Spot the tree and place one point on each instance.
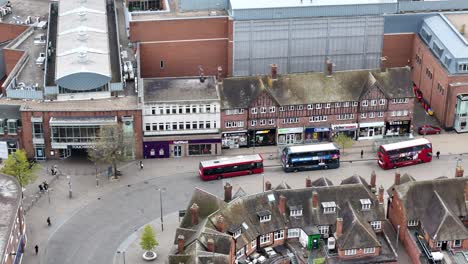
(148, 240)
(343, 141)
(111, 147)
(18, 166)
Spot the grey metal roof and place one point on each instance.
(10, 112)
(82, 54)
(179, 89)
(448, 35)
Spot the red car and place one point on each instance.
(429, 130)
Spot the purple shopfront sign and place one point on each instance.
(160, 149)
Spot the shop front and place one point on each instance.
(289, 136)
(316, 134)
(235, 139)
(264, 137)
(372, 130)
(346, 129)
(181, 148)
(397, 128)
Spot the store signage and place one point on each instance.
(373, 124)
(262, 132)
(318, 129)
(345, 127)
(180, 142)
(290, 130)
(405, 122)
(81, 146)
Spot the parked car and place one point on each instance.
(429, 130)
(270, 252)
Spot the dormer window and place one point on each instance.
(329, 207)
(264, 216)
(297, 212)
(365, 204)
(237, 233)
(412, 222)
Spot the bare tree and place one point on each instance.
(111, 147)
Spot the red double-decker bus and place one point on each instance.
(230, 167)
(405, 153)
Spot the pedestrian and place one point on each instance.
(362, 153)
(141, 165)
(52, 171)
(41, 189)
(36, 248)
(438, 154)
(46, 186)
(48, 221)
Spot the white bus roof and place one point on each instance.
(406, 144)
(229, 160)
(309, 148)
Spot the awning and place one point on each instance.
(83, 121)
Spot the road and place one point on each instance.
(93, 233)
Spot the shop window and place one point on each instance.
(200, 149)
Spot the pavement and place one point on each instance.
(100, 220)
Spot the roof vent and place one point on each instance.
(82, 35)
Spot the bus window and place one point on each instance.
(259, 165)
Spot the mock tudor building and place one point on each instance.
(181, 117)
(313, 107)
(431, 215)
(12, 227)
(288, 220)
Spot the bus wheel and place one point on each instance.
(250, 172)
(219, 177)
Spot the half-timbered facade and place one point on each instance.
(313, 107)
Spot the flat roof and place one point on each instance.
(229, 160)
(314, 147)
(258, 4)
(180, 89)
(405, 144)
(458, 20)
(112, 104)
(10, 196)
(175, 12)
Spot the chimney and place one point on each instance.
(462, 30)
(227, 192)
(329, 67)
(282, 204)
(315, 200)
(220, 74)
(383, 64)
(274, 71)
(210, 245)
(308, 182)
(267, 185)
(373, 179)
(339, 227)
(220, 223)
(381, 194)
(459, 171)
(397, 178)
(194, 213)
(180, 244)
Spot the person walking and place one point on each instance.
(48, 221)
(36, 248)
(438, 154)
(362, 153)
(141, 165)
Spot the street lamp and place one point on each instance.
(161, 206)
(123, 255)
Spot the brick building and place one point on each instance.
(285, 109)
(283, 220)
(431, 214)
(11, 132)
(181, 117)
(13, 229)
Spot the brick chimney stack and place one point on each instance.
(373, 181)
(315, 200)
(381, 194)
(220, 225)
(219, 76)
(180, 244)
(339, 227)
(194, 213)
(210, 245)
(459, 171)
(329, 67)
(308, 182)
(274, 71)
(227, 192)
(383, 64)
(267, 185)
(397, 178)
(282, 204)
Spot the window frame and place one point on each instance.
(293, 232)
(369, 250)
(350, 252)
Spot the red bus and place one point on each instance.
(230, 167)
(405, 153)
